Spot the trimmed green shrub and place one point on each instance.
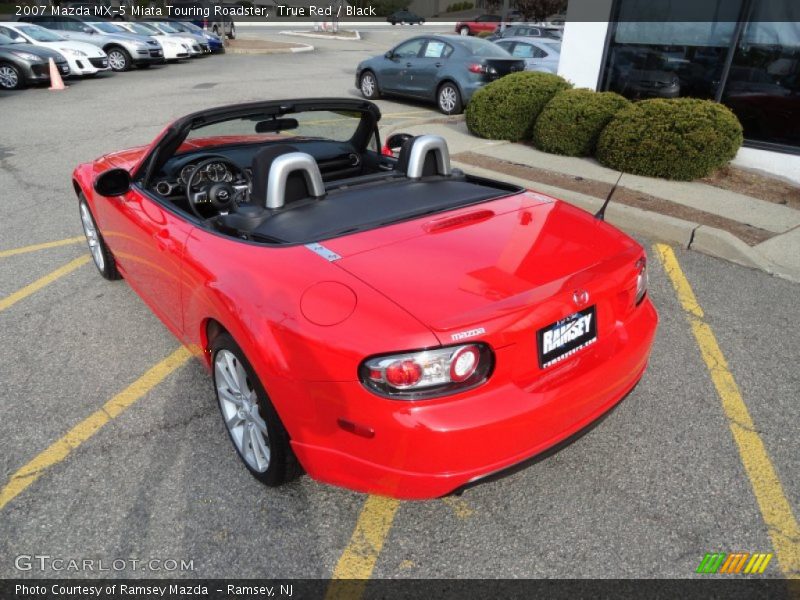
(485, 34)
(506, 109)
(573, 120)
(684, 138)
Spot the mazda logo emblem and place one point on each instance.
(222, 195)
(580, 298)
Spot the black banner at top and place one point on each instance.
(431, 11)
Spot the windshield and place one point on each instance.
(40, 34)
(144, 29)
(107, 27)
(339, 126)
(191, 27)
(166, 28)
(483, 48)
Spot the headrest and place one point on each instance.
(282, 174)
(424, 156)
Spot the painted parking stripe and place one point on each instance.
(31, 288)
(43, 246)
(775, 508)
(358, 560)
(62, 448)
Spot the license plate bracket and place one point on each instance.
(566, 336)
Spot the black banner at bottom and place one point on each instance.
(390, 589)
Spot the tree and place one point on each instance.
(492, 5)
(540, 10)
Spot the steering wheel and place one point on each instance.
(222, 196)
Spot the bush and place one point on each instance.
(506, 109)
(682, 139)
(485, 34)
(573, 120)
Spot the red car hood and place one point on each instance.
(469, 266)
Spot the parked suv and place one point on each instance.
(22, 63)
(123, 49)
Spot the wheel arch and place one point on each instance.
(442, 81)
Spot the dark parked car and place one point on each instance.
(446, 69)
(22, 63)
(644, 73)
(404, 16)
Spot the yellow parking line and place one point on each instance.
(60, 449)
(29, 289)
(775, 508)
(44, 246)
(459, 506)
(359, 558)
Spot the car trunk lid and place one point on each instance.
(478, 268)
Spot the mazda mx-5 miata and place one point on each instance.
(396, 325)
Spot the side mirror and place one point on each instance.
(87, 29)
(389, 55)
(114, 182)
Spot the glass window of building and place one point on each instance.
(744, 53)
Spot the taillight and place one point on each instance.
(641, 280)
(428, 373)
(478, 68)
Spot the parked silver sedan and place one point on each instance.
(539, 54)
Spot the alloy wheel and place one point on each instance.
(92, 237)
(368, 85)
(116, 60)
(239, 403)
(9, 79)
(447, 99)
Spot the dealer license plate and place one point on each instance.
(567, 336)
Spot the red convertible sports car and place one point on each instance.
(398, 326)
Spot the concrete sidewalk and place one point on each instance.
(745, 230)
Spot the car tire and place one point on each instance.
(253, 424)
(232, 34)
(368, 84)
(103, 259)
(464, 30)
(448, 99)
(118, 59)
(11, 77)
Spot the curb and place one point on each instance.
(302, 48)
(688, 234)
(321, 36)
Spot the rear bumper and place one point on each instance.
(426, 450)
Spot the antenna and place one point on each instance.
(601, 214)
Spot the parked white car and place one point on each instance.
(83, 59)
(174, 47)
(540, 54)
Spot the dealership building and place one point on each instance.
(743, 53)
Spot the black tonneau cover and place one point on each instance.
(356, 209)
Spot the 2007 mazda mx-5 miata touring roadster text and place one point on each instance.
(395, 325)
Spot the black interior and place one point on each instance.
(363, 188)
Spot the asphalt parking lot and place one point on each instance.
(660, 482)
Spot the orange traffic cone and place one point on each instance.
(56, 83)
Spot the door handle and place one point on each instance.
(437, 65)
(408, 64)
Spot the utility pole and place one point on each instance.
(504, 15)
